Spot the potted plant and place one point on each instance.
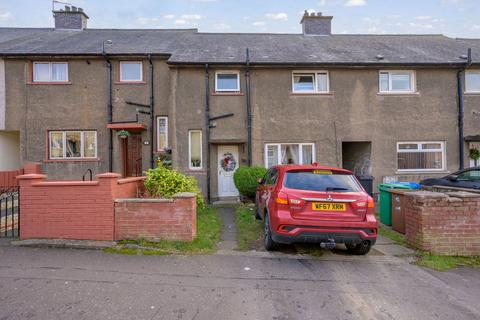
(123, 134)
(474, 155)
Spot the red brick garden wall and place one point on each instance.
(155, 219)
(82, 210)
(443, 223)
(105, 209)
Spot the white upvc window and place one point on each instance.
(310, 82)
(162, 133)
(131, 71)
(396, 81)
(195, 149)
(421, 156)
(289, 153)
(50, 72)
(72, 145)
(472, 81)
(227, 81)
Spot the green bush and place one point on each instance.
(246, 180)
(164, 182)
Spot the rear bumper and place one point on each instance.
(338, 235)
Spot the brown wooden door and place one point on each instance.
(132, 156)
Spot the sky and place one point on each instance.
(454, 18)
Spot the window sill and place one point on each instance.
(199, 170)
(48, 83)
(71, 160)
(399, 94)
(228, 94)
(421, 172)
(311, 93)
(472, 93)
(129, 82)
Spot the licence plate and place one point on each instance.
(329, 206)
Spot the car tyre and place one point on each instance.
(270, 245)
(359, 249)
(257, 214)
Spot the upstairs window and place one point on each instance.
(310, 82)
(227, 81)
(73, 144)
(472, 81)
(50, 72)
(421, 156)
(397, 81)
(131, 71)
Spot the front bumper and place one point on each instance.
(338, 235)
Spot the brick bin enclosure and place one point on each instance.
(443, 223)
(87, 210)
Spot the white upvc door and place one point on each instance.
(227, 163)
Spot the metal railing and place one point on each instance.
(10, 212)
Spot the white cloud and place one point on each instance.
(258, 23)
(180, 21)
(147, 21)
(421, 25)
(169, 16)
(191, 16)
(423, 17)
(221, 26)
(356, 3)
(475, 27)
(6, 16)
(277, 16)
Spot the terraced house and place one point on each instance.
(390, 106)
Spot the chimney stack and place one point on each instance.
(316, 24)
(72, 18)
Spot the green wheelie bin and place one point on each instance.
(386, 200)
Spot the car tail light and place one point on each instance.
(370, 203)
(281, 198)
(295, 202)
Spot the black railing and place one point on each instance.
(90, 176)
(9, 212)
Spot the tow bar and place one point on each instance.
(330, 244)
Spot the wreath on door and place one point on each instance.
(228, 163)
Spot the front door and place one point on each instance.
(132, 155)
(227, 164)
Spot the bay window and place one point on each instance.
(289, 153)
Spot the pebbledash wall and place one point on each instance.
(445, 223)
(105, 209)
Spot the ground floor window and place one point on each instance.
(421, 156)
(289, 153)
(195, 149)
(73, 144)
(162, 133)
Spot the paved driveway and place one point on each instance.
(40, 283)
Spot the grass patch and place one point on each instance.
(443, 263)
(209, 226)
(392, 235)
(249, 230)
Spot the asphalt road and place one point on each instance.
(37, 283)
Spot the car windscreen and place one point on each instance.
(314, 181)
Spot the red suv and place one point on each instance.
(312, 203)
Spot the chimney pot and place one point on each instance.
(67, 8)
(74, 9)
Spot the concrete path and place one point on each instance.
(39, 283)
(229, 231)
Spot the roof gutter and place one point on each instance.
(331, 64)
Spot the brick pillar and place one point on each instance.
(28, 196)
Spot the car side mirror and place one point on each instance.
(453, 177)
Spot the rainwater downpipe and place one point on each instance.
(249, 110)
(110, 113)
(152, 117)
(460, 77)
(207, 129)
